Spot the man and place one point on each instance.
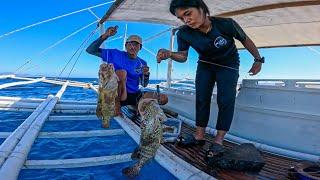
(130, 68)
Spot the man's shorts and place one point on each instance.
(132, 99)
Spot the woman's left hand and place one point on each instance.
(255, 69)
(163, 54)
(145, 70)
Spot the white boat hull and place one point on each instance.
(285, 116)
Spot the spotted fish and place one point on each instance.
(108, 92)
(151, 135)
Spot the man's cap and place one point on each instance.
(135, 38)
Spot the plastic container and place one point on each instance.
(171, 129)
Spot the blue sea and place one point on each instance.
(74, 147)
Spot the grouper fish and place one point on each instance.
(108, 92)
(151, 135)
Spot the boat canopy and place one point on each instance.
(269, 23)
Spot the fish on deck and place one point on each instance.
(108, 92)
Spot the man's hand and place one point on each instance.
(255, 69)
(145, 70)
(100, 22)
(163, 54)
(111, 31)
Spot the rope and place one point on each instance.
(85, 43)
(55, 18)
(20, 67)
(157, 92)
(152, 53)
(156, 35)
(94, 14)
(314, 50)
(52, 46)
(81, 45)
(86, 39)
(120, 37)
(236, 69)
(142, 93)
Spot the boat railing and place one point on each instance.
(179, 91)
(285, 84)
(279, 84)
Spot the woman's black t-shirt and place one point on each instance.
(217, 45)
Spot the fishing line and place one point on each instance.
(84, 46)
(156, 94)
(157, 72)
(223, 66)
(216, 64)
(29, 60)
(236, 69)
(86, 39)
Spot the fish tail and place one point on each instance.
(147, 153)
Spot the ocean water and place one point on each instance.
(152, 171)
(73, 147)
(42, 90)
(83, 147)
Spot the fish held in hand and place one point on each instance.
(108, 92)
(151, 135)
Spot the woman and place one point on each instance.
(213, 39)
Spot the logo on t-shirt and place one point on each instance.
(220, 42)
(138, 70)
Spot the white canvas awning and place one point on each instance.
(269, 23)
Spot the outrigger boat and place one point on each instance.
(281, 117)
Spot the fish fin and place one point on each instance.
(131, 171)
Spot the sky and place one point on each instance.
(17, 48)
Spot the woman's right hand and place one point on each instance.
(163, 54)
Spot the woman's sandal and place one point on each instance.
(215, 151)
(189, 141)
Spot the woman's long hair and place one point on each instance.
(187, 4)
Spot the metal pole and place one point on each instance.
(125, 38)
(170, 60)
